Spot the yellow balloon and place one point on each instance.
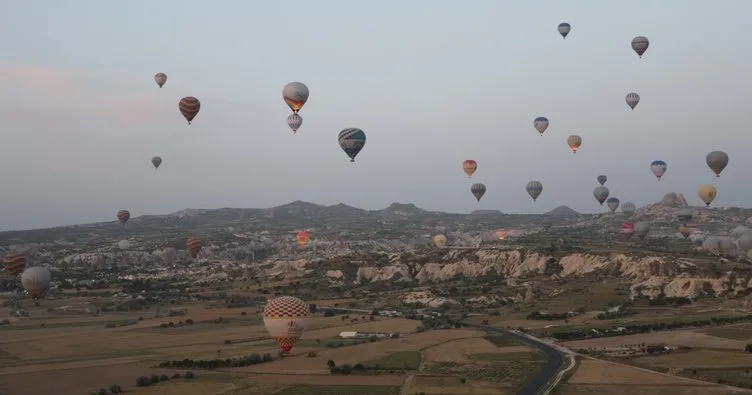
(707, 193)
(440, 240)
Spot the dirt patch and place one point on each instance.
(698, 359)
(185, 387)
(452, 385)
(692, 338)
(621, 389)
(514, 349)
(459, 350)
(81, 380)
(592, 371)
(324, 379)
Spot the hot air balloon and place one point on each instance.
(36, 281)
(627, 229)
(600, 194)
(189, 106)
(534, 189)
(602, 179)
(302, 238)
(717, 161)
(124, 244)
(469, 167)
(14, 263)
(123, 216)
(193, 246)
(628, 208)
(641, 229)
(295, 95)
(502, 234)
(352, 140)
(612, 203)
(160, 79)
(685, 231)
(478, 190)
(707, 193)
(564, 29)
(156, 161)
(574, 141)
(640, 44)
(745, 242)
(286, 318)
(440, 241)
(632, 99)
(294, 121)
(658, 167)
(540, 124)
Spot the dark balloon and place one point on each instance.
(352, 140)
(189, 106)
(123, 216)
(156, 161)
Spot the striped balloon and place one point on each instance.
(189, 106)
(632, 99)
(469, 167)
(574, 141)
(14, 264)
(294, 121)
(613, 204)
(601, 194)
(160, 79)
(123, 216)
(534, 189)
(627, 229)
(352, 140)
(478, 190)
(564, 29)
(640, 44)
(628, 208)
(156, 161)
(295, 95)
(193, 246)
(540, 124)
(658, 167)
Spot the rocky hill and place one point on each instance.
(351, 245)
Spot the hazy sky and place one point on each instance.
(431, 82)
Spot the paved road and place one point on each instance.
(539, 383)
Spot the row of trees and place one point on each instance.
(212, 364)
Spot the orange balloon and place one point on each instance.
(303, 238)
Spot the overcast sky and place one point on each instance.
(431, 82)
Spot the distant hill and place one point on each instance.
(562, 211)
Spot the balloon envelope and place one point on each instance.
(640, 44)
(612, 203)
(36, 281)
(540, 124)
(160, 79)
(602, 179)
(707, 194)
(193, 246)
(600, 194)
(534, 189)
(658, 167)
(156, 161)
(189, 106)
(564, 29)
(302, 238)
(123, 216)
(286, 318)
(352, 140)
(440, 240)
(627, 229)
(632, 99)
(469, 167)
(14, 263)
(478, 190)
(574, 141)
(294, 121)
(717, 161)
(295, 95)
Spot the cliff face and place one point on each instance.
(649, 276)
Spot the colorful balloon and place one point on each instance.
(286, 318)
(600, 194)
(302, 238)
(627, 229)
(160, 79)
(640, 44)
(469, 167)
(352, 140)
(123, 216)
(156, 161)
(14, 263)
(574, 141)
(632, 99)
(478, 190)
(440, 241)
(658, 167)
(602, 179)
(540, 124)
(534, 189)
(295, 95)
(193, 246)
(564, 29)
(685, 231)
(294, 121)
(612, 203)
(189, 106)
(717, 161)
(628, 208)
(707, 194)
(502, 234)
(36, 281)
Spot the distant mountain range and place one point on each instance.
(562, 211)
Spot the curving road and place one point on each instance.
(540, 383)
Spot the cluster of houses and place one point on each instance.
(367, 335)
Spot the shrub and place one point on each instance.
(116, 389)
(143, 381)
(189, 375)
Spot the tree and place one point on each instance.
(330, 364)
(748, 348)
